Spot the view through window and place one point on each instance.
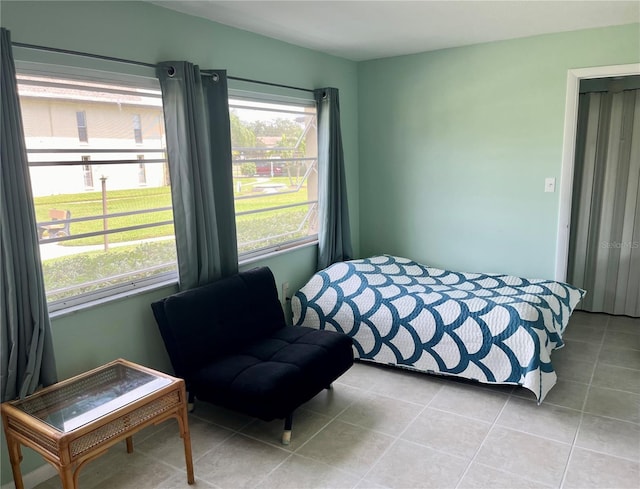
(104, 218)
(275, 174)
(101, 182)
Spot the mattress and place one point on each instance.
(496, 329)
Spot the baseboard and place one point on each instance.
(35, 477)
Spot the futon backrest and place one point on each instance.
(202, 324)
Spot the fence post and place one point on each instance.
(105, 223)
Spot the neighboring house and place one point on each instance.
(63, 118)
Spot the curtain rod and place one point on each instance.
(140, 63)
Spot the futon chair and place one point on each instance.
(230, 343)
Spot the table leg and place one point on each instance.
(188, 457)
(186, 439)
(129, 441)
(15, 456)
(67, 477)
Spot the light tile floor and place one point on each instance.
(388, 428)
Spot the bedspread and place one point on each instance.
(486, 327)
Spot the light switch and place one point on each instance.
(550, 184)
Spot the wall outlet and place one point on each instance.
(285, 291)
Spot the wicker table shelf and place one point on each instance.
(75, 421)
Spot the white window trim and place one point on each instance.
(70, 308)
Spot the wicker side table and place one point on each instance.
(77, 420)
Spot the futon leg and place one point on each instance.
(286, 435)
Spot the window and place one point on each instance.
(118, 236)
(275, 174)
(137, 129)
(87, 172)
(142, 171)
(81, 121)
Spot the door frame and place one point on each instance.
(569, 149)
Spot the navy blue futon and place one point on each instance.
(230, 342)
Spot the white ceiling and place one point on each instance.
(363, 29)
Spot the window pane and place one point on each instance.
(87, 170)
(81, 119)
(100, 232)
(275, 169)
(137, 128)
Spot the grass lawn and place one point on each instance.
(89, 204)
(72, 275)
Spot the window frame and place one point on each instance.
(137, 129)
(81, 122)
(278, 99)
(87, 172)
(142, 171)
(113, 292)
(144, 78)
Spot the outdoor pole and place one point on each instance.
(105, 224)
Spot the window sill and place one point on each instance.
(266, 256)
(112, 298)
(168, 283)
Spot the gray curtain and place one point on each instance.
(196, 115)
(334, 240)
(604, 245)
(27, 359)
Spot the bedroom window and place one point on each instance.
(100, 233)
(275, 174)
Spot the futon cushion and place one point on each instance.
(230, 342)
(269, 378)
(219, 318)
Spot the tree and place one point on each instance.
(242, 135)
(276, 127)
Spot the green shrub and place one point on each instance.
(248, 169)
(75, 272)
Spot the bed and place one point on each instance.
(495, 329)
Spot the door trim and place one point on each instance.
(568, 152)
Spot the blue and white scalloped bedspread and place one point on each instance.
(486, 327)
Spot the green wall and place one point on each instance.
(459, 142)
(145, 32)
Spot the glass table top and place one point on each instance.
(91, 396)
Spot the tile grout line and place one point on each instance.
(399, 435)
(584, 406)
(334, 418)
(232, 433)
(293, 452)
(331, 420)
(363, 477)
(475, 455)
(238, 431)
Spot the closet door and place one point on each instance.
(604, 246)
